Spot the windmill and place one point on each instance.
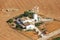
(42, 17)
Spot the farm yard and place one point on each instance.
(48, 8)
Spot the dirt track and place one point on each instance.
(49, 8)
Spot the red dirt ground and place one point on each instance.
(49, 8)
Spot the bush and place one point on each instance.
(18, 27)
(20, 16)
(43, 29)
(10, 21)
(38, 24)
(58, 38)
(27, 14)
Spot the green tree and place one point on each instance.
(28, 14)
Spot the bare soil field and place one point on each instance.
(52, 26)
(31, 34)
(49, 8)
(54, 37)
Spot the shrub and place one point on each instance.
(43, 29)
(28, 13)
(18, 27)
(10, 21)
(20, 16)
(38, 24)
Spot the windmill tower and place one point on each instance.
(36, 9)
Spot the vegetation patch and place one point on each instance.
(58, 38)
(27, 14)
(10, 21)
(18, 27)
(38, 24)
